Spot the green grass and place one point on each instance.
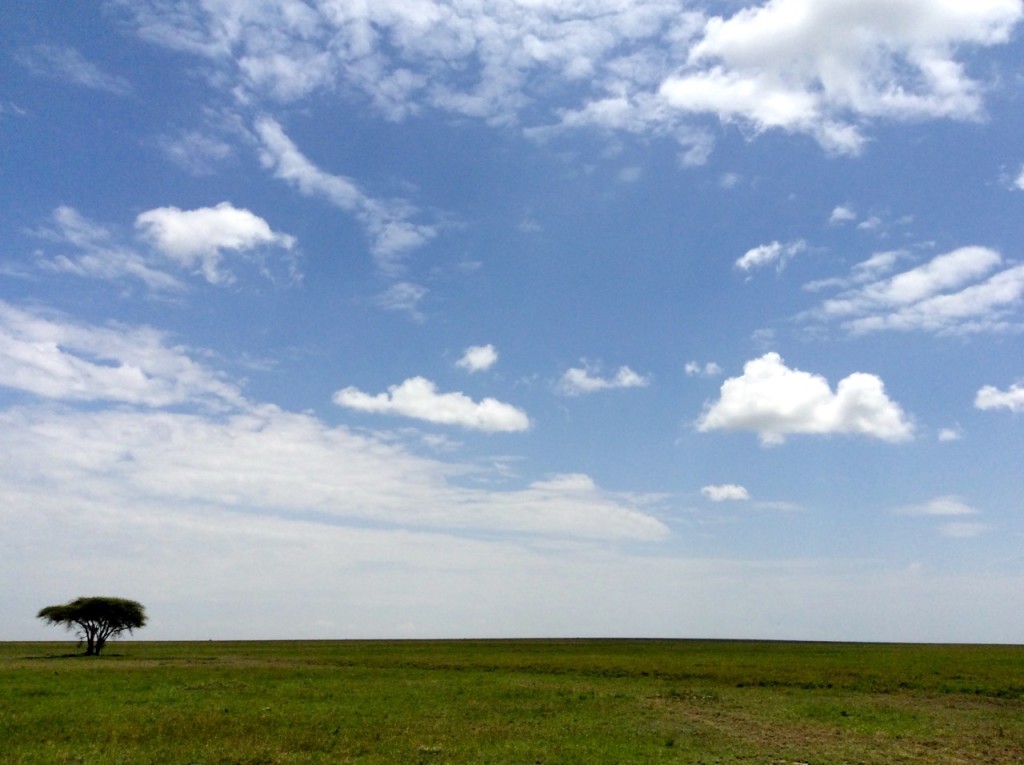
(521, 702)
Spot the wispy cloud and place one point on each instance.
(69, 65)
(646, 68)
(196, 151)
(967, 290)
(98, 254)
(947, 508)
(198, 241)
(725, 492)
(579, 380)
(266, 463)
(708, 369)
(404, 297)
(940, 506)
(167, 435)
(388, 223)
(55, 358)
(775, 253)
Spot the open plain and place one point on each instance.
(511, 701)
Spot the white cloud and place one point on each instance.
(841, 214)
(870, 270)
(948, 435)
(696, 369)
(177, 470)
(949, 507)
(98, 255)
(823, 67)
(55, 358)
(990, 397)
(872, 223)
(69, 65)
(729, 180)
(967, 290)
(180, 445)
(1019, 181)
(387, 222)
(478, 358)
(196, 152)
(197, 239)
(417, 397)
(940, 506)
(776, 401)
(725, 492)
(767, 254)
(576, 381)
(403, 296)
(630, 174)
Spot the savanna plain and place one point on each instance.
(511, 702)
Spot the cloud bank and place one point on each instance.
(825, 68)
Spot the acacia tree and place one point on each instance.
(97, 619)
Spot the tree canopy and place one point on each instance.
(98, 619)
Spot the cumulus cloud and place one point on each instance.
(948, 435)
(990, 397)
(197, 239)
(55, 358)
(388, 223)
(725, 492)
(825, 68)
(418, 398)
(841, 214)
(767, 254)
(775, 401)
(579, 380)
(968, 290)
(478, 358)
(69, 65)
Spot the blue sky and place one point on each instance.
(446, 319)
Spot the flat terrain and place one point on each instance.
(515, 702)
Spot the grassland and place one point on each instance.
(514, 702)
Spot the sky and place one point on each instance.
(515, 318)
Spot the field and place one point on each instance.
(515, 702)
